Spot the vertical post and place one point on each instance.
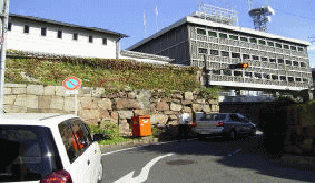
(76, 103)
(206, 71)
(4, 13)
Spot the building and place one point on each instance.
(145, 57)
(39, 35)
(276, 63)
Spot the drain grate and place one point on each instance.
(181, 162)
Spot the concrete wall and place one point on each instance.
(34, 42)
(96, 106)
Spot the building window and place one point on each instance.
(271, 44)
(255, 57)
(296, 64)
(293, 48)
(266, 76)
(303, 64)
(249, 74)
(262, 42)
(272, 60)
(253, 40)
(264, 59)
(298, 79)
(305, 80)
(235, 55)
(258, 75)
(278, 45)
(283, 78)
(235, 38)
(59, 34)
(43, 31)
(214, 52)
(9, 26)
(202, 50)
(227, 72)
(225, 53)
(216, 72)
(201, 31)
(238, 73)
(290, 79)
(213, 34)
(286, 46)
(75, 36)
(104, 41)
(274, 77)
(245, 56)
(91, 39)
(26, 29)
(288, 62)
(221, 35)
(280, 61)
(300, 49)
(243, 39)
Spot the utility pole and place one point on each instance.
(4, 16)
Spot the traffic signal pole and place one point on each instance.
(4, 16)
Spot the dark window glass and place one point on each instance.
(291, 79)
(245, 56)
(295, 63)
(300, 49)
(298, 79)
(227, 72)
(225, 53)
(104, 41)
(221, 35)
(282, 78)
(253, 40)
(278, 45)
(59, 34)
(262, 42)
(303, 64)
(235, 38)
(43, 31)
(255, 57)
(9, 26)
(244, 39)
(26, 149)
(266, 76)
(91, 39)
(214, 52)
(272, 60)
(75, 36)
(26, 29)
(238, 73)
(264, 59)
(286, 46)
(274, 77)
(201, 31)
(249, 74)
(216, 72)
(235, 55)
(258, 75)
(271, 44)
(293, 48)
(280, 61)
(214, 34)
(202, 50)
(288, 62)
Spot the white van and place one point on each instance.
(48, 148)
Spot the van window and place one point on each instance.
(30, 153)
(215, 117)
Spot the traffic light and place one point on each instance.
(238, 66)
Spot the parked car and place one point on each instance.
(228, 125)
(48, 148)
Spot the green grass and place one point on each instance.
(117, 140)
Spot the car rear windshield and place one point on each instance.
(28, 153)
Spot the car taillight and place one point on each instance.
(57, 177)
(220, 124)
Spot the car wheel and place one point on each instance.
(100, 173)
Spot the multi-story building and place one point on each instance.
(39, 35)
(276, 63)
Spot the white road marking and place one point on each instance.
(143, 176)
(234, 152)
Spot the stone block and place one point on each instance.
(18, 91)
(105, 104)
(104, 115)
(132, 95)
(170, 112)
(97, 92)
(85, 91)
(162, 106)
(9, 99)
(196, 107)
(70, 104)
(206, 109)
(186, 102)
(57, 102)
(213, 101)
(88, 103)
(114, 116)
(215, 108)
(89, 115)
(49, 90)
(27, 101)
(172, 117)
(175, 107)
(7, 91)
(141, 112)
(155, 100)
(35, 90)
(178, 96)
(158, 118)
(176, 101)
(189, 95)
(15, 85)
(124, 128)
(14, 109)
(187, 109)
(153, 108)
(200, 101)
(125, 103)
(33, 110)
(61, 91)
(44, 101)
(123, 115)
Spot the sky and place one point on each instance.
(294, 19)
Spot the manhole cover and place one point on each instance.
(181, 162)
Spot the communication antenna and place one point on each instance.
(261, 16)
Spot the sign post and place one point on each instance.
(72, 84)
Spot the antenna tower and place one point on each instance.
(261, 16)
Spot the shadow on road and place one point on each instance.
(251, 155)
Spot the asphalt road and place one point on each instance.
(210, 160)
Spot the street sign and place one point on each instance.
(71, 83)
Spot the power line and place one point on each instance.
(292, 14)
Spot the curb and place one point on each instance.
(298, 160)
(133, 143)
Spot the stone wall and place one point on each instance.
(94, 105)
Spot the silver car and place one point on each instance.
(228, 125)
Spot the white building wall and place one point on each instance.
(34, 42)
